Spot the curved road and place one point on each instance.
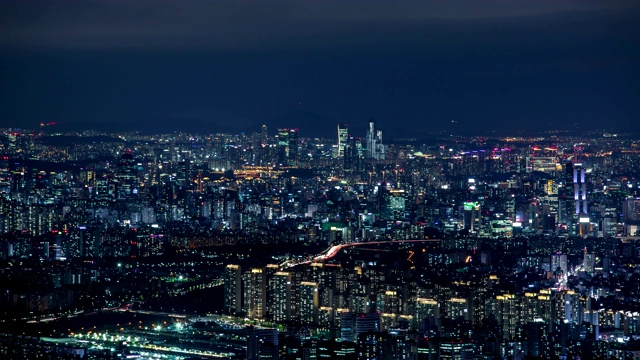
(335, 249)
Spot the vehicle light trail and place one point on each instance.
(335, 249)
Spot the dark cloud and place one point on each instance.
(158, 24)
(413, 64)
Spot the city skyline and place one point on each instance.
(271, 244)
(304, 180)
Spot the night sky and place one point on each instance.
(498, 64)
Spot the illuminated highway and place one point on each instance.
(140, 345)
(335, 249)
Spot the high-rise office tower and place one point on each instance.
(126, 175)
(380, 148)
(565, 198)
(580, 189)
(371, 139)
(375, 148)
(573, 212)
(580, 198)
(293, 147)
(352, 154)
(343, 135)
(288, 147)
(183, 176)
(264, 134)
(283, 146)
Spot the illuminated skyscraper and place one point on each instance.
(308, 306)
(288, 147)
(281, 296)
(183, 177)
(343, 135)
(293, 147)
(580, 198)
(375, 148)
(352, 154)
(580, 189)
(565, 197)
(126, 175)
(394, 204)
(232, 289)
(283, 146)
(264, 134)
(573, 212)
(254, 293)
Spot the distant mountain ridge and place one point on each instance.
(309, 124)
(312, 125)
(159, 126)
